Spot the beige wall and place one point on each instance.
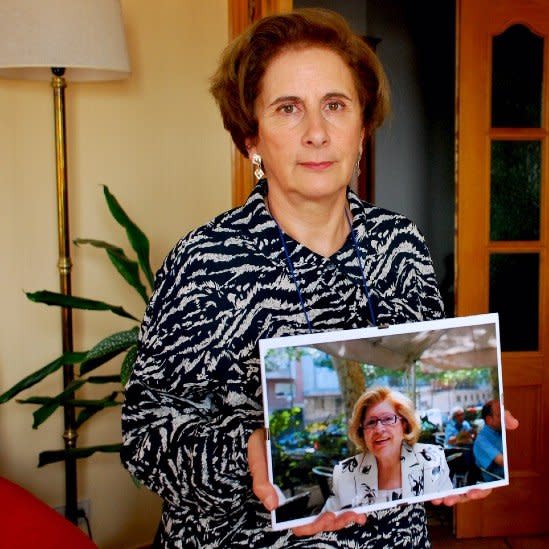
(157, 140)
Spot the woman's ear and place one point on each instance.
(250, 146)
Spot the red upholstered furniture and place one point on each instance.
(28, 523)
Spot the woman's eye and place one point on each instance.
(335, 106)
(287, 109)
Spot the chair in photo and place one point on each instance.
(323, 476)
(439, 439)
(488, 476)
(458, 468)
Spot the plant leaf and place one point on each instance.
(45, 411)
(61, 300)
(137, 238)
(34, 400)
(91, 407)
(104, 379)
(85, 402)
(128, 268)
(127, 365)
(39, 375)
(77, 402)
(108, 348)
(52, 456)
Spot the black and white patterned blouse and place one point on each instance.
(195, 394)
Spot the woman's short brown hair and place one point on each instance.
(236, 83)
(403, 407)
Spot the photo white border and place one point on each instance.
(364, 333)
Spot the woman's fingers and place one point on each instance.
(257, 463)
(320, 524)
(477, 494)
(257, 454)
(266, 494)
(462, 498)
(511, 422)
(328, 522)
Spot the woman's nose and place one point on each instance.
(316, 131)
(379, 426)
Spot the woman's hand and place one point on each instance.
(510, 423)
(475, 493)
(266, 493)
(257, 462)
(328, 522)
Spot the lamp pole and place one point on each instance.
(64, 266)
(78, 40)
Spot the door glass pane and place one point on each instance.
(517, 66)
(514, 283)
(515, 190)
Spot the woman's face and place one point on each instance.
(384, 441)
(309, 124)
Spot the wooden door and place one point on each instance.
(502, 232)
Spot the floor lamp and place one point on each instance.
(60, 41)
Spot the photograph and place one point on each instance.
(371, 418)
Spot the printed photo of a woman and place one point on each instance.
(392, 465)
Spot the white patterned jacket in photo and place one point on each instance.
(423, 471)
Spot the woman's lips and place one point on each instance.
(381, 441)
(316, 166)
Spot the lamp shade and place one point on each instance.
(86, 37)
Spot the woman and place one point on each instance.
(392, 465)
(298, 93)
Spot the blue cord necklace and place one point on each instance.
(296, 282)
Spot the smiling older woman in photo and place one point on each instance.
(298, 93)
(392, 465)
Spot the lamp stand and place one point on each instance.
(64, 266)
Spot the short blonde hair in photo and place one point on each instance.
(403, 407)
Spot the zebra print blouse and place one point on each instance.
(195, 394)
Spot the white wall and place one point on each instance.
(157, 141)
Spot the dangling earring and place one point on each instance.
(258, 163)
(357, 164)
(353, 183)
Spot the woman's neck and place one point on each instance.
(389, 474)
(321, 226)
